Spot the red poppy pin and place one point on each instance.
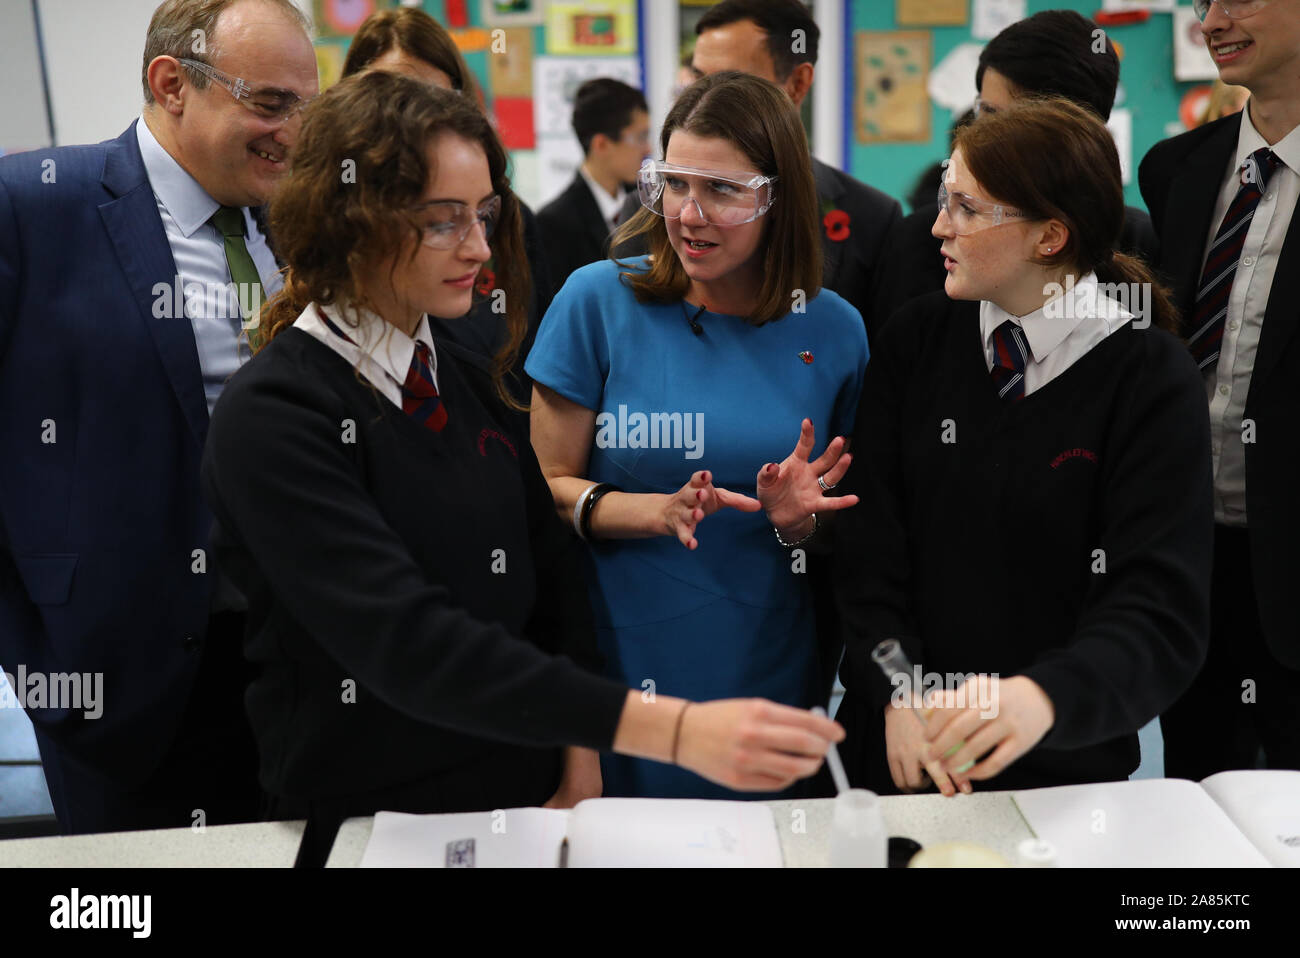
(807, 357)
(487, 281)
(836, 223)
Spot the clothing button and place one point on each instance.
(1248, 261)
(1223, 390)
(1234, 324)
(191, 644)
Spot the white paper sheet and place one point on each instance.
(1147, 823)
(681, 833)
(952, 81)
(1192, 60)
(991, 17)
(1265, 805)
(506, 838)
(1120, 125)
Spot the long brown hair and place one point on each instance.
(360, 162)
(1052, 159)
(416, 34)
(760, 121)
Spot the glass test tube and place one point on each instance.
(891, 658)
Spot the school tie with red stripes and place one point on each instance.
(420, 399)
(1221, 263)
(1010, 355)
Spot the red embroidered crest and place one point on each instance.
(487, 434)
(1076, 453)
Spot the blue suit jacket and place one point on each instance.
(98, 527)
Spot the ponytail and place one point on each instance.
(1121, 268)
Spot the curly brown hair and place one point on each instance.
(360, 162)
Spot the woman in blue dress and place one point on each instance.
(668, 392)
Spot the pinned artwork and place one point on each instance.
(510, 63)
(607, 27)
(329, 62)
(512, 13)
(931, 13)
(1192, 60)
(891, 102)
(515, 122)
(341, 18)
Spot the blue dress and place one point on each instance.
(734, 618)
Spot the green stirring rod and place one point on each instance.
(891, 658)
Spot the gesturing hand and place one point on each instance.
(699, 498)
(789, 491)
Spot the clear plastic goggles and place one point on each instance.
(446, 224)
(1232, 9)
(269, 103)
(969, 215)
(721, 198)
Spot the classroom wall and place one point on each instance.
(1147, 89)
(93, 51)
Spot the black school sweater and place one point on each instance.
(979, 553)
(370, 549)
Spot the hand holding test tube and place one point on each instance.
(893, 662)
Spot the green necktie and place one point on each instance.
(229, 221)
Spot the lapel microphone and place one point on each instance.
(696, 326)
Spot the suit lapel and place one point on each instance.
(593, 223)
(1190, 209)
(138, 238)
(1281, 316)
(828, 192)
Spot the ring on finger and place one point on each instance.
(821, 481)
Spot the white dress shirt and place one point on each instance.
(199, 251)
(1228, 382)
(1061, 332)
(609, 205)
(379, 350)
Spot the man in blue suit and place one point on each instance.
(127, 272)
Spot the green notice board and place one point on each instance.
(1147, 89)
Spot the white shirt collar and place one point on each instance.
(609, 205)
(187, 201)
(377, 339)
(1249, 140)
(1049, 326)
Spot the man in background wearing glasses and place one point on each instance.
(1223, 199)
(129, 271)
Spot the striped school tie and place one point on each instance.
(1010, 354)
(1221, 262)
(420, 399)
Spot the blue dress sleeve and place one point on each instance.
(571, 353)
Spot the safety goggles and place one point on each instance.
(269, 103)
(445, 224)
(969, 215)
(1232, 9)
(721, 198)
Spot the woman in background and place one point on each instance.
(409, 41)
(415, 612)
(1035, 484)
(724, 349)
